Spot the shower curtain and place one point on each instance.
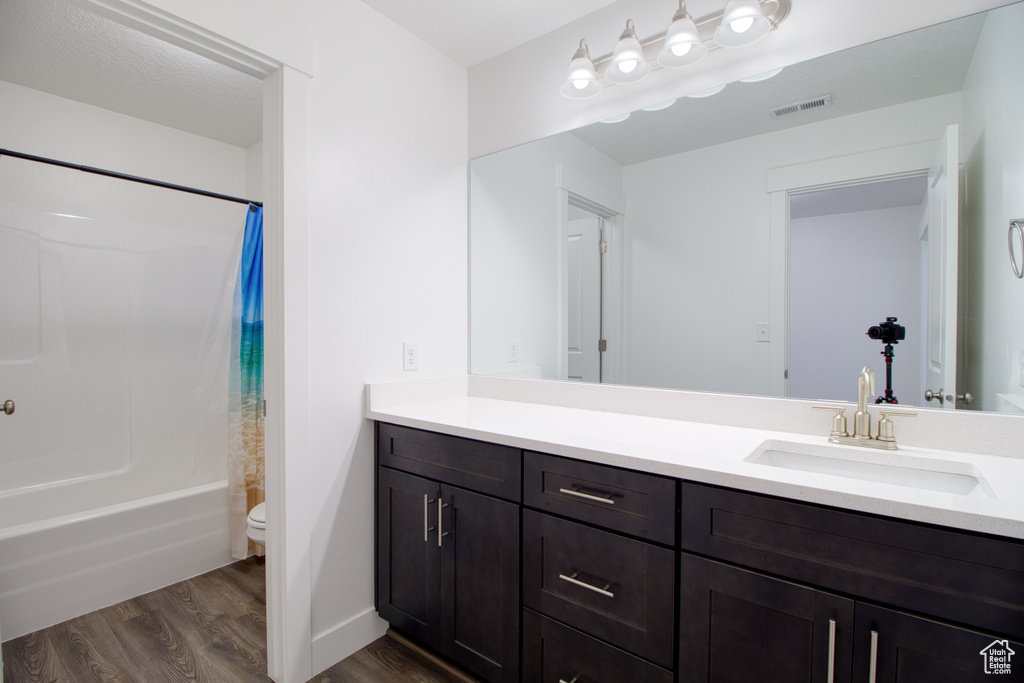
(245, 445)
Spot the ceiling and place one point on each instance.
(473, 31)
(912, 66)
(59, 48)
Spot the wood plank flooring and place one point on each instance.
(211, 628)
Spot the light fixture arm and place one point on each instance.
(775, 11)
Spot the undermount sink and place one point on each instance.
(931, 474)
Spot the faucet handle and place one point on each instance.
(885, 424)
(838, 422)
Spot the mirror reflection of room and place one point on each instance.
(713, 281)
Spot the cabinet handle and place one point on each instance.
(873, 662)
(573, 580)
(440, 521)
(831, 650)
(574, 679)
(603, 498)
(426, 529)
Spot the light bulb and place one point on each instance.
(627, 66)
(742, 25)
(580, 84)
(681, 49)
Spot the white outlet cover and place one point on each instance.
(410, 356)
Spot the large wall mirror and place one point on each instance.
(746, 242)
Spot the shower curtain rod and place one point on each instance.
(125, 176)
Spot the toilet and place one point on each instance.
(256, 524)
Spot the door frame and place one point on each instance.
(286, 360)
(609, 204)
(781, 183)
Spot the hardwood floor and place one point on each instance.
(211, 628)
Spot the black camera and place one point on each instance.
(888, 332)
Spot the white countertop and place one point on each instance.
(711, 453)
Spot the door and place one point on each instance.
(480, 583)
(943, 236)
(909, 649)
(583, 266)
(737, 626)
(408, 562)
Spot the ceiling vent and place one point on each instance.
(806, 105)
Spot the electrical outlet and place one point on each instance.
(513, 351)
(410, 357)
(761, 331)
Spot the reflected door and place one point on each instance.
(943, 224)
(584, 301)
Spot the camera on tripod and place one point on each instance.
(888, 332)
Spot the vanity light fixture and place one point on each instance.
(628, 62)
(741, 23)
(581, 82)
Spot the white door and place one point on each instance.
(943, 232)
(584, 302)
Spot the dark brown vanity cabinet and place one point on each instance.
(740, 624)
(447, 557)
(629, 576)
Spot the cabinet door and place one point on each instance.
(479, 547)
(408, 562)
(909, 649)
(737, 626)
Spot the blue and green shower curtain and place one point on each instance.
(245, 448)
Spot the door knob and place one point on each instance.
(965, 397)
(8, 407)
(929, 395)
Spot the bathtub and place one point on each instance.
(63, 566)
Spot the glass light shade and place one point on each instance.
(616, 119)
(682, 45)
(707, 93)
(742, 24)
(628, 63)
(581, 82)
(762, 77)
(660, 105)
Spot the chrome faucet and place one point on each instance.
(862, 420)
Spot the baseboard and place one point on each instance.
(338, 642)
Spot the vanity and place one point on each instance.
(548, 540)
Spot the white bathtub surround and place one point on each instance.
(708, 438)
(62, 567)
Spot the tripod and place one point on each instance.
(888, 396)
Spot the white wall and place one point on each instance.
(699, 229)
(387, 264)
(848, 272)
(514, 97)
(993, 148)
(516, 282)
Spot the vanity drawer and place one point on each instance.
(618, 589)
(554, 652)
(475, 465)
(634, 503)
(965, 577)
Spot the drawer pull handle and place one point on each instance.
(573, 580)
(873, 665)
(831, 650)
(603, 498)
(426, 529)
(574, 679)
